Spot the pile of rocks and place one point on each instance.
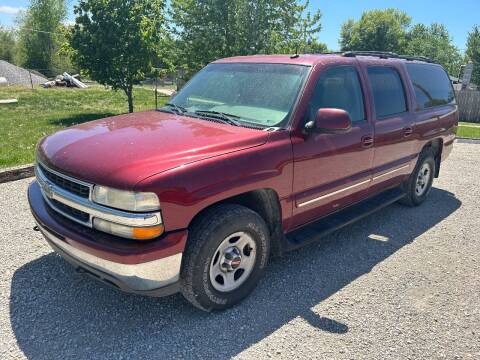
(16, 75)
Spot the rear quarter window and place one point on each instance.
(431, 84)
(388, 91)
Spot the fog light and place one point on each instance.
(137, 233)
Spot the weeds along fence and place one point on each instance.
(468, 105)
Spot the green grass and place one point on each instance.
(469, 130)
(44, 111)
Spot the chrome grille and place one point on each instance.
(71, 212)
(66, 184)
(82, 209)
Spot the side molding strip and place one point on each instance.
(333, 193)
(306, 203)
(390, 172)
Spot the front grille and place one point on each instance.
(67, 210)
(66, 184)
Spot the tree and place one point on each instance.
(39, 27)
(346, 34)
(62, 60)
(390, 30)
(434, 42)
(302, 37)
(210, 29)
(473, 52)
(377, 30)
(7, 45)
(117, 42)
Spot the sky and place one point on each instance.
(458, 16)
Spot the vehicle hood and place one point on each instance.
(122, 150)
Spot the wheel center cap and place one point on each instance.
(231, 259)
(236, 262)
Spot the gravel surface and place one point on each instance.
(402, 283)
(16, 75)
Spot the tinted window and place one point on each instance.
(339, 88)
(388, 93)
(432, 85)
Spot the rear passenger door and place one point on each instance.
(393, 125)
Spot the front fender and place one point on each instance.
(189, 189)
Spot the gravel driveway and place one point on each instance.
(402, 283)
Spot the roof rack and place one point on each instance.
(386, 55)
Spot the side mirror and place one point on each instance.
(330, 120)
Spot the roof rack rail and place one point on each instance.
(386, 55)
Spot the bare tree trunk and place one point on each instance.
(129, 92)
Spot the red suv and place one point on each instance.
(255, 155)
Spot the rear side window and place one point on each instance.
(432, 85)
(340, 88)
(388, 91)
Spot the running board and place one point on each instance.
(315, 231)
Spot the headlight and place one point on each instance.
(125, 200)
(137, 233)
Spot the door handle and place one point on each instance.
(367, 141)
(407, 131)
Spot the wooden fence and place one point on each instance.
(468, 105)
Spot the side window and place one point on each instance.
(388, 91)
(432, 85)
(339, 87)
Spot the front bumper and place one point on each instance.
(149, 268)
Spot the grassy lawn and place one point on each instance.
(44, 111)
(469, 130)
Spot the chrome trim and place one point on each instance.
(449, 113)
(52, 191)
(333, 193)
(80, 182)
(52, 205)
(139, 277)
(390, 172)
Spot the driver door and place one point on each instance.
(333, 170)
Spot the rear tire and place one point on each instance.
(419, 184)
(226, 255)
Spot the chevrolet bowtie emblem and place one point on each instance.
(48, 190)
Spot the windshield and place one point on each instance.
(256, 94)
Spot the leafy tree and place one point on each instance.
(7, 45)
(62, 60)
(210, 29)
(377, 30)
(346, 34)
(302, 38)
(434, 42)
(390, 30)
(117, 42)
(473, 52)
(39, 26)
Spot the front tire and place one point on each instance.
(419, 184)
(225, 257)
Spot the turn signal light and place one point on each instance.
(136, 233)
(147, 233)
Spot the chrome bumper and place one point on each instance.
(144, 277)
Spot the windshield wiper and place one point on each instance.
(227, 118)
(176, 108)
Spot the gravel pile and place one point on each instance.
(16, 75)
(400, 284)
